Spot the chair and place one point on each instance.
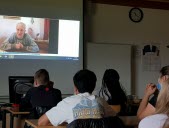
(107, 122)
(20, 89)
(38, 111)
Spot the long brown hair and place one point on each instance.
(162, 105)
(166, 124)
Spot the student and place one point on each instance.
(82, 105)
(42, 96)
(20, 40)
(112, 89)
(158, 118)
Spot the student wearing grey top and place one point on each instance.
(20, 40)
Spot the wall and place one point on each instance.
(114, 55)
(111, 24)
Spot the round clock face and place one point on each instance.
(136, 14)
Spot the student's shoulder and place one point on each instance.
(153, 120)
(71, 98)
(101, 99)
(32, 89)
(56, 90)
(156, 116)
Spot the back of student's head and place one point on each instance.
(110, 75)
(42, 76)
(111, 84)
(111, 80)
(85, 81)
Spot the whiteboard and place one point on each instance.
(105, 56)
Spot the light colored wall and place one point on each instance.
(111, 24)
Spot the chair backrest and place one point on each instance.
(116, 108)
(38, 112)
(22, 88)
(18, 87)
(107, 122)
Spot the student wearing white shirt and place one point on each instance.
(82, 105)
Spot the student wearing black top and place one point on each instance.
(42, 96)
(112, 89)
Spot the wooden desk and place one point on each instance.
(34, 124)
(130, 120)
(13, 113)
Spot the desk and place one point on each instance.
(130, 121)
(34, 124)
(13, 113)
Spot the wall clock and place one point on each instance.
(136, 15)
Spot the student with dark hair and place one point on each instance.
(83, 105)
(42, 96)
(112, 89)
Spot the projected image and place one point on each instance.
(38, 38)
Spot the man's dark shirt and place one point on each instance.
(41, 96)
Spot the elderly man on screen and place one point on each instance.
(20, 40)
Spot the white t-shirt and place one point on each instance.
(153, 121)
(82, 106)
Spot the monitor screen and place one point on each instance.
(39, 38)
(18, 87)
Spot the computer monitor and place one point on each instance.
(18, 87)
